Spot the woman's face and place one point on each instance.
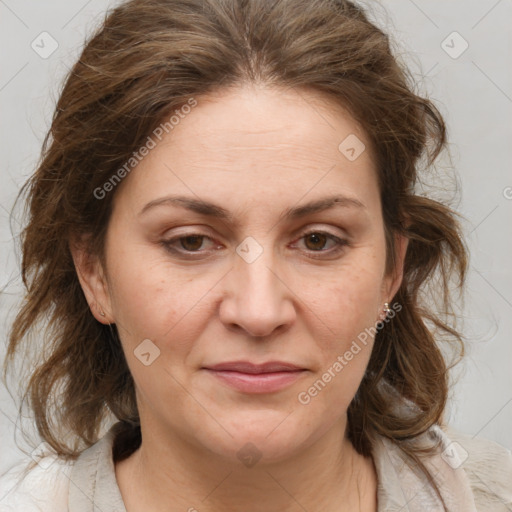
(214, 255)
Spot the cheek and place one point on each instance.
(154, 300)
(349, 301)
(349, 309)
(165, 306)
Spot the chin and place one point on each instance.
(260, 442)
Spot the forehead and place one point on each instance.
(258, 145)
(272, 120)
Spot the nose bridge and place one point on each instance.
(256, 276)
(259, 301)
(254, 269)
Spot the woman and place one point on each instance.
(227, 246)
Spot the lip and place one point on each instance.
(248, 367)
(257, 378)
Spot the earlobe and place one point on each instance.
(92, 280)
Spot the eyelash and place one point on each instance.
(340, 243)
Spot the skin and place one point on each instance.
(254, 151)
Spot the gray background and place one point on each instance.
(473, 90)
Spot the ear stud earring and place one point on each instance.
(385, 311)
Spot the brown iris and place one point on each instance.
(319, 240)
(196, 240)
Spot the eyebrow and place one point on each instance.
(209, 209)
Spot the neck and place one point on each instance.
(168, 473)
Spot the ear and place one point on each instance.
(92, 279)
(394, 280)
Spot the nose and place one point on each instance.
(257, 297)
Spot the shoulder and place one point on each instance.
(471, 474)
(488, 466)
(467, 467)
(50, 483)
(36, 486)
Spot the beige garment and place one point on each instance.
(475, 475)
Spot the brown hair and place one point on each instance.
(146, 61)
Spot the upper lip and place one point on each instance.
(248, 367)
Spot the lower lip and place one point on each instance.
(258, 383)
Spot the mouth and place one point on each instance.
(248, 377)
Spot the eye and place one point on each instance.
(190, 243)
(315, 241)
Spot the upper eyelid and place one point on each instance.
(300, 233)
(315, 226)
